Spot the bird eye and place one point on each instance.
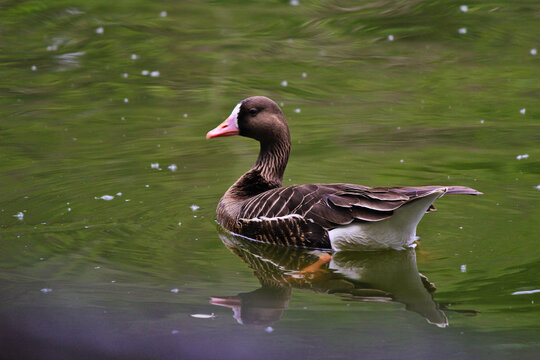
(253, 112)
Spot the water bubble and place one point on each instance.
(534, 52)
(464, 8)
(154, 74)
(304, 75)
(175, 291)
(294, 2)
(163, 14)
(204, 316)
(390, 37)
(34, 67)
(145, 72)
(125, 75)
(179, 223)
(297, 111)
(46, 290)
(154, 165)
(481, 121)
(524, 156)
(194, 207)
(107, 197)
(118, 194)
(19, 216)
(284, 83)
(462, 30)
(126, 100)
(146, 186)
(269, 329)
(172, 167)
(99, 30)
(134, 56)
(174, 332)
(185, 116)
(523, 111)
(537, 187)
(463, 268)
(401, 161)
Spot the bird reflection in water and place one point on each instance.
(389, 276)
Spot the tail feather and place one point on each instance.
(420, 191)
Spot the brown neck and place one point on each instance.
(267, 172)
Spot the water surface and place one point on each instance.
(107, 250)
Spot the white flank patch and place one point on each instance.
(396, 232)
(277, 218)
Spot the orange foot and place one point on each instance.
(316, 266)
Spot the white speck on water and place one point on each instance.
(99, 30)
(113, 281)
(34, 67)
(461, 228)
(69, 209)
(522, 111)
(269, 329)
(297, 111)
(463, 268)
(194, 207)
(19, 216)
(284, 83)
(154, 165)
(46, 290)
(462, 30)
(390, 37)
(52, 47)
(294, 2)
(179, 223)
(282, 104)
(118, 194)
(147, 186)
(41, 259)
(481, 121)
(401, 161)
(126, 100)
(524, 156)
(464, 8)
(127, 200)
(107, 197)
(134, 56)
(97, 267)
(163, 14)
(175, 291)
(125, 75)
(172, 167)
(204, 316)
(154, 73)
(185, 115)
(399, 128)
(304, 75)
(534, 52)
(145, 72)
(174, 332)
(537, 187)
(526, 292)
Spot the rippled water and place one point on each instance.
(108, 244)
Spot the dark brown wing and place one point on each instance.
(301, 215)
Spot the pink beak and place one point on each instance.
(226, 128)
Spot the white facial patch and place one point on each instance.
(235, 112)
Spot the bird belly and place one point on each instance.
(396, 232)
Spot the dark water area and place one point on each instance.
(108, 242)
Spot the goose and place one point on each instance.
(336, 216)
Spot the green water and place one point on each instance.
(377, 93)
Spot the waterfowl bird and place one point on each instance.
(337, 216)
